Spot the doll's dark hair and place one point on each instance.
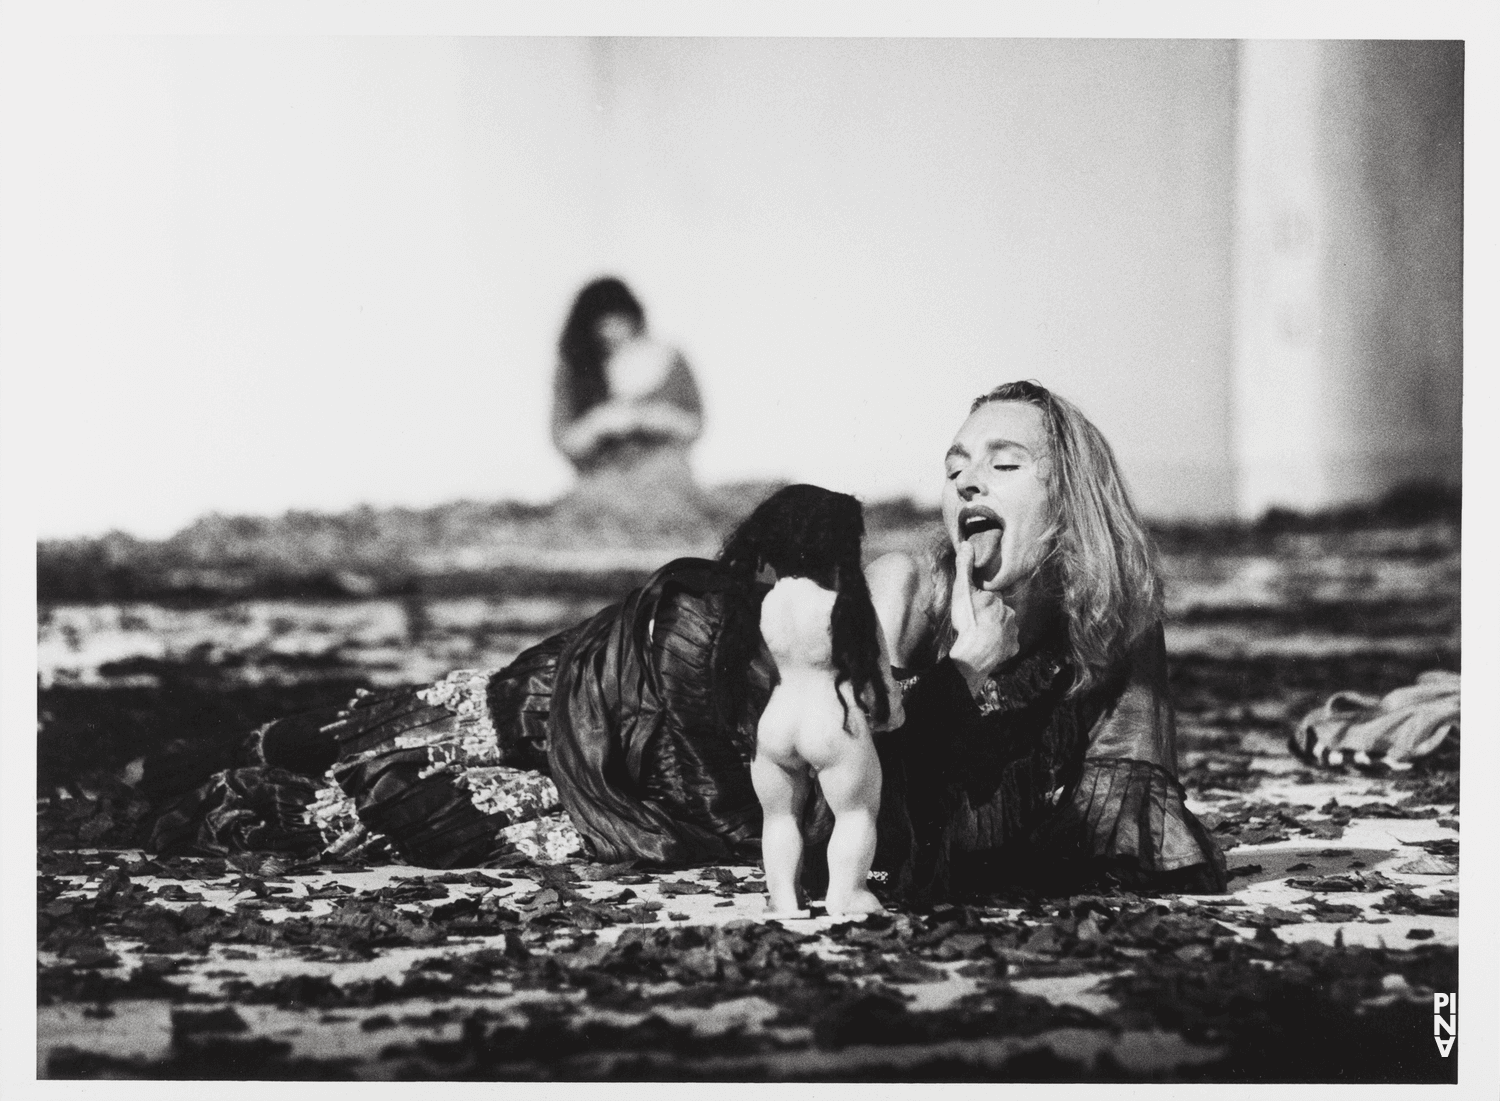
(582, 352)
(807, 531)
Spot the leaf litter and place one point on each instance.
(589, 971)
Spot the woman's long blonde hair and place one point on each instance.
(1100, 565)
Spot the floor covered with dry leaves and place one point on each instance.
(1318, 967)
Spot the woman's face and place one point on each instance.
(615, 329)
(995, 497)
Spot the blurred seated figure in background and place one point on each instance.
(625, 412)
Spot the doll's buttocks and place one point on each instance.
(804, 718)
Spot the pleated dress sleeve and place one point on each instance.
(1040, 784)
(1127, 804)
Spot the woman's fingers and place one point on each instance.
(985, 628)
(991, 614)
(972, 606)
(963, 589)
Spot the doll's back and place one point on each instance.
(796, 622)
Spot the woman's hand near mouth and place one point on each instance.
(987, 632)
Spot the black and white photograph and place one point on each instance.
(884, 552)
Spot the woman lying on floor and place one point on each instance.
(1038, 746)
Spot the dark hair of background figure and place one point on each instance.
(807, 531)
(581, 350)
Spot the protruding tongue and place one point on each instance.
(986, 546)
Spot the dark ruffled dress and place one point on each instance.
(620, 739)
(629, 737)
(1036, 786)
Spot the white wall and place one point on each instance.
(865, 234)
(261, 273)
(254, 274)
(1393, 141)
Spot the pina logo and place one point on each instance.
(1442, 1024)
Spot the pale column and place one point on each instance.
(1348, 361)
(1279, 243)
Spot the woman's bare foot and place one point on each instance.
(859, 903)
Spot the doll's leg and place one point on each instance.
(782, 791)
(852, 788)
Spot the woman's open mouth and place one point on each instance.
(982, 528)
(977, 520)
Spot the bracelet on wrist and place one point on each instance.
(988, 699)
